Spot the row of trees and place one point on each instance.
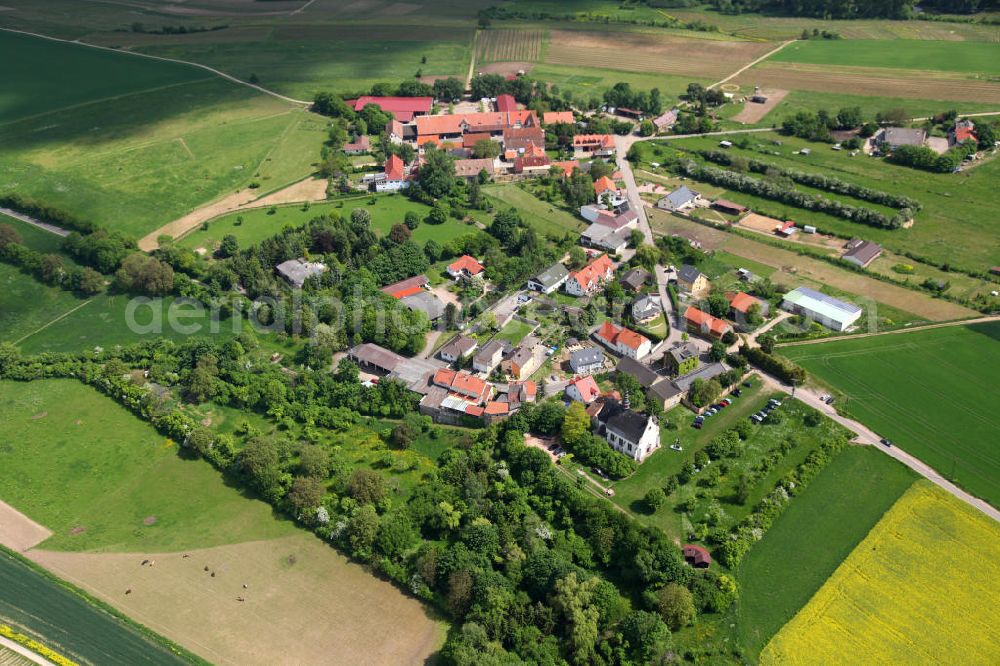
(824, 9)
(815, 180)
(739, 182)
(922, 157)
(46, 213)
(49, 268)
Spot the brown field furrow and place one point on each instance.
(508, 45)
(875, 86)
(638, 61)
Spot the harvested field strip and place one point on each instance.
(68, 623)
(788, 76)
(510, 45)
(921, 588)
(794, 266)
(289, 583)
(643, 52)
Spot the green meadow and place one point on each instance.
(812, 537)
(132, 143)
(546, 218)
(931, 392)
(102, 480)
(945, 56)
(254, 225)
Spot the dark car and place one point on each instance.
(737, 393)
(747, 384)
(885, 442)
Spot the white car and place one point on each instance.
(676, 447)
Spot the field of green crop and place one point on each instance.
(261, 223)
(931, 392)
(945, 56)
(302, 67)
(103, 480)
(134, 156)
(812, 537)
(65, 622)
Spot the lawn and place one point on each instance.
(922, 586)
(137, 158)
(68, 623)
(546, 218)
(260, 223)
(931, 392)
(515, 331)
(26, 304)
(765, 441)
(945, 56)
(821, 528)
(103, 480)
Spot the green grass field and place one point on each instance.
(945, 56)
(388, 210)
(514, 331)
(91, 472)
(812, 537)
(26, 304)
(954, 225)
(931, 392)
(67, 623)
(341, 63)
(544, 217)
(134, 157)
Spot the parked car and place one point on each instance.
(676, 447)
(737, 393)
(829, 400)
(886, 443)
(747, 384)
(697, 425)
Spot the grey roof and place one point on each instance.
(682, 195)
(521, 355)
(460, 346)
(297, 271)
(705, 372)
(425, 302)
(815, 301)
(647, 304)
(416, 372)
(587, 356)
(688, 273)
(629, 425)
(635, 277)
(863, 251)
(645, 376)
(552, 275)
(903, 136)
(664, 389)
(372, 354)
(682, 351)
(490, 349)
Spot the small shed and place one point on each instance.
(697, 556)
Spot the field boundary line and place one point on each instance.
(189, 63)
(113, 98)
(59, 318)
(922, 327)
(24, 652)
(472, 60)
(752, 63)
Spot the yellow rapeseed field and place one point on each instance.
(923, 587)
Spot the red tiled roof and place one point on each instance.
(406, 287)
(703, 320)
(394, 105)
(587, 387)
(459, 123)
(594, 141)
(467, 264)
(529, 162)
(741, 301)
(964, 134)
(444, 377)
(554, 117)
(594, 271)
(603, 184)
(494, 408)
(394, 168)
(613, 335)
(506, 103)
(471, 139)
(568, 166)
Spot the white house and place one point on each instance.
(583, 389)
(591, 277)
(634, 434)
(623, 340)
(550, 279)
